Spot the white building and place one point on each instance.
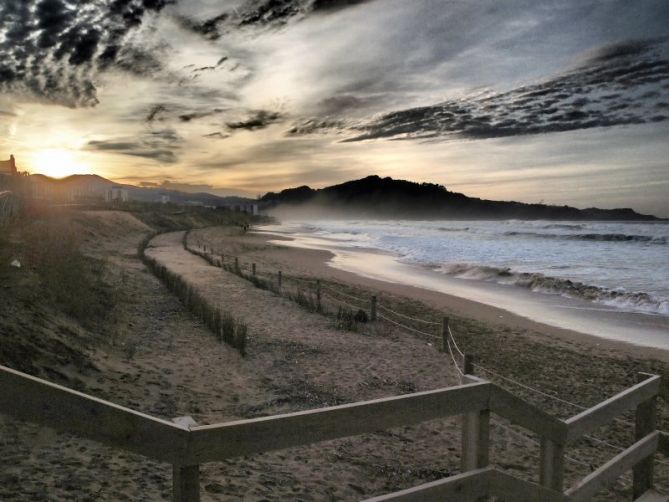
(117, 194)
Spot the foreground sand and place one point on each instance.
(165, 363)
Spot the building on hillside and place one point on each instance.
(164, 198)
(119, 194)
(8, 167)
(247, 208)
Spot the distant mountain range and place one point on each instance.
(83, 185)
(378, 197)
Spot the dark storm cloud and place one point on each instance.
(329, 5)
(156, 112)
(187, 117)
(160, 145)
(317, 126)
(216, 135)
(263, 13)
(257, 120)
(163, 112)
(616, 85)
(53, 50)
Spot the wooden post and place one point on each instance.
(372, 310)
(551, 474)
(642, 479)
(318, 294)
(186, 483)
(253, 269)
(278, 280)
(444, 334)
(469, 364)
(475, 431)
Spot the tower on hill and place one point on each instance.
(8, 167)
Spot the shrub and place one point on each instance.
(240, 338)
(72, 280)
(348, 320)
(228, 328)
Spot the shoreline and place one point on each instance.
(317, 262)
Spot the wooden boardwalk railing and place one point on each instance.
(34, 400)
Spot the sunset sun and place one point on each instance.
(57, 163)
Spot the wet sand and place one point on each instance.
(570, 317)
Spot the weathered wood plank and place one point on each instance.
(642, 478)
(663, 444)
(463, 487)
(247, 437)
(186, 483)
(507, 487)
(34, 400)
(527, 415)
(551, 469)
(475, 440)
(613, 469)
(652, 496)
(606, 411)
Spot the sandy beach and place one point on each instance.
(165, 362)
(580, 369)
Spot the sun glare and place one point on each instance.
(57, 163)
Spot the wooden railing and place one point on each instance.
(34, 400)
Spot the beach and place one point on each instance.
(166, 363)
(576, 368)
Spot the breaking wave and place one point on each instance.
(453, 229)
(564, 226)
(593, 237)
(638, 300)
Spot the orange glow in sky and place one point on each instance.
(57, 163)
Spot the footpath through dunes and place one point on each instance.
(305, 363)
(150, 354)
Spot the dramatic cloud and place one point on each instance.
(217, 135)
(317, 126)
(264, 13)
(267, 93)
(619, 84)
(51, 49)
(159, 145)
(257, 120)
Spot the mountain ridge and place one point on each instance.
(374, 196)
(145, 194)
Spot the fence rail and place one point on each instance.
(32, 399)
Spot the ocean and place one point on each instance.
(612, 266)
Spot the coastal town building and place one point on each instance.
(8, 167)
(119, 194)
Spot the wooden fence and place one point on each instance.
(9, 207)
(34, 400)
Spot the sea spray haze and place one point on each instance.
(619, 265)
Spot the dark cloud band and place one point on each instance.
(617, 85)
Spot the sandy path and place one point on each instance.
(306, 363)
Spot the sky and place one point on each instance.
(561, 102)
